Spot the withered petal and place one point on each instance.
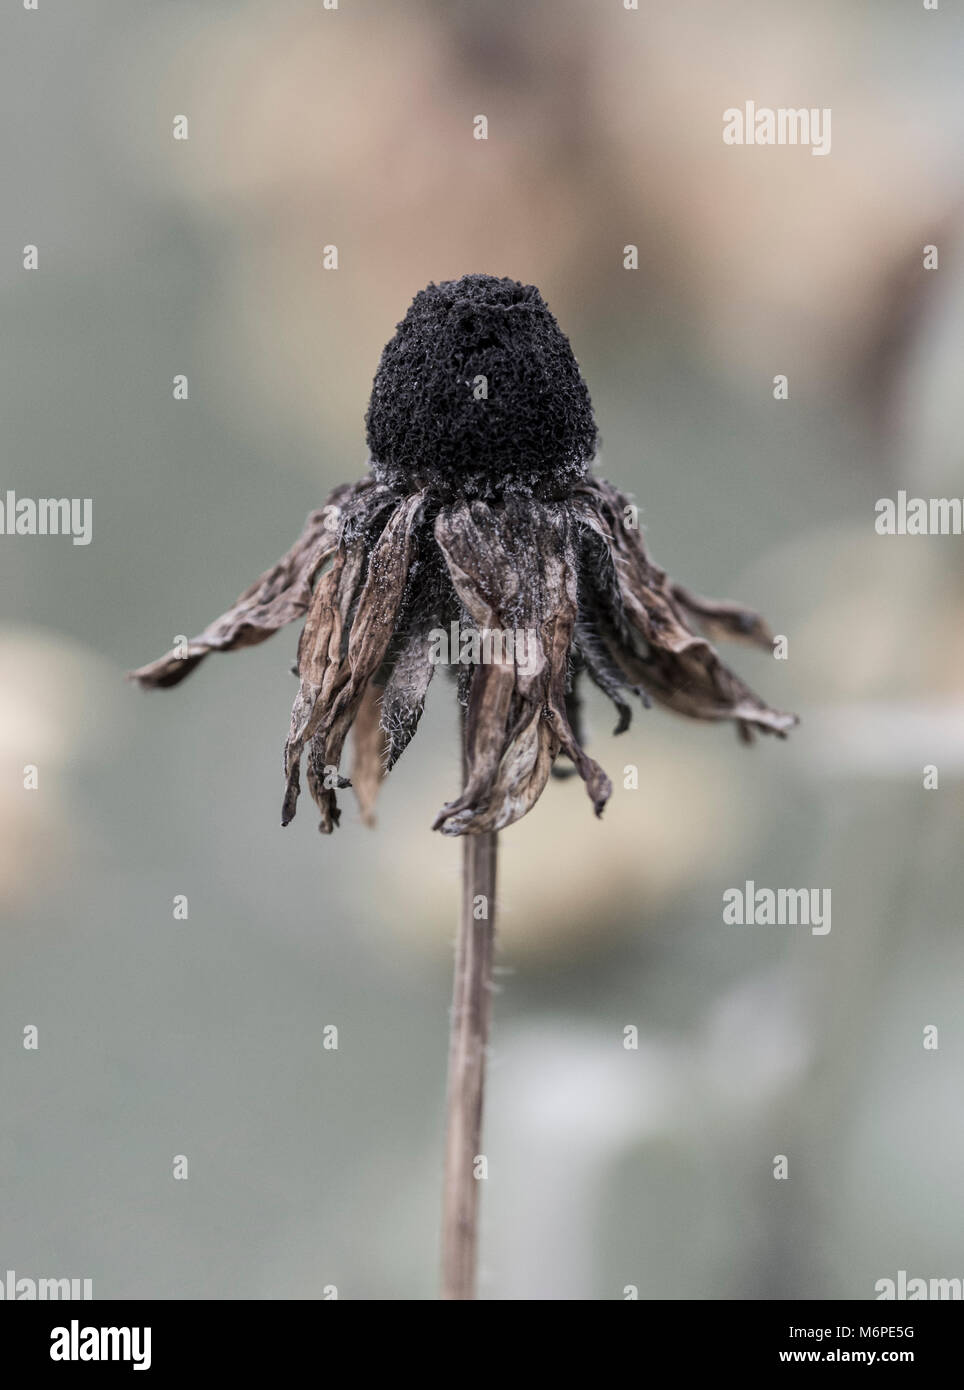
(519, 781)
(404, 696)
(513, 568)
(575, 715)
(369, 747)
(321, 663)
(719, 618)
(678, 667)
(364, 603)
(280, 596)
(606, 676)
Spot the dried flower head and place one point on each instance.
(479, 511)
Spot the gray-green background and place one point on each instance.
(204, 1037)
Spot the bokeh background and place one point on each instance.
(608, 1167)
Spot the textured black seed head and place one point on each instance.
(432, 423)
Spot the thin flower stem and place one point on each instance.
(469, 1037)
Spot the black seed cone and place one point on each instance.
(533, 432)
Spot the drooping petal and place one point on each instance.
(348, 632)
(561, 580)
(404, 695)
(640, 622)
(280, 596)
(321, 661)
(513, 569)
(575, 715)
(719, 618)
(605, 676)
(369, 748)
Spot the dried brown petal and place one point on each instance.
(718, 618)
(404, 696)
(514, 570)
(368, 753)
(334, 675)
(645, 635)
(281, 595)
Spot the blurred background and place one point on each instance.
(204, 1037)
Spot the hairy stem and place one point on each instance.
(468, 1040)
